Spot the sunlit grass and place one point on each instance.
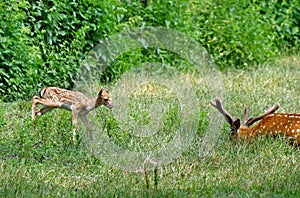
(41, 160)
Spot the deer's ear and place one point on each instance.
(236, 125)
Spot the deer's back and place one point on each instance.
(279, 124)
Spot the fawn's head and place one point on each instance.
(104, 99)
(235, 125)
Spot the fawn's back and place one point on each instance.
(65, 96)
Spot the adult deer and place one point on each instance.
(79, 104)
(271, 124)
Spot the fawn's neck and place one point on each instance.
(92, 103)
(97, 101)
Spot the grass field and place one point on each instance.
(42, 161)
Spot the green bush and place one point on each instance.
(43, 42)
(285, 19)
(242, 33)
(19, 57)
(234, 33)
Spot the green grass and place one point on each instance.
(42, 161)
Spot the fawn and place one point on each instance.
(79, 104)
(272, 124)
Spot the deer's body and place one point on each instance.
(76, 102)
(287, 125)
(271, 124)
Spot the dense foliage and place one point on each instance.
(43, 42)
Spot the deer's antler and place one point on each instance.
(271, 110)
(218, 105)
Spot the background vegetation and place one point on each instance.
(43, 42)
(255, 43)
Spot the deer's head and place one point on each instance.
(237, 128)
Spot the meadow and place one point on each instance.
(41, 160)
(252, 46)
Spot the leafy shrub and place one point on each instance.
(285, 19)
(43, 42)
(241, 33)
(234, 32)
(19, 57)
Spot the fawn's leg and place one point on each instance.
(47, 103)
(88, 126)
(44, 110)
(35, 101)
(74, 122)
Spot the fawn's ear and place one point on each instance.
(100, 92)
